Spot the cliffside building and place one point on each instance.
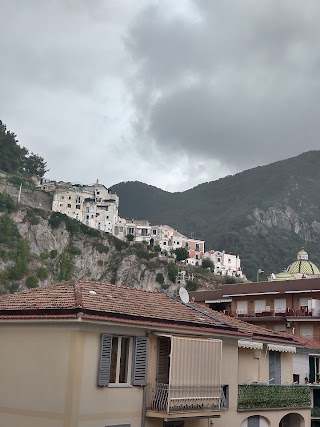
(94, 205)
(225, 264)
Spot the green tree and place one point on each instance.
(16, 159)
(172, 271)
(160, 278)
(192, 286)
(6, 203)
(31, 282)
(11, 154)
(130, 237)
(34, 164)
(181, 254)
(207, 263)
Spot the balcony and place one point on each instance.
(289, 312)
(168, 399)
(263, 396)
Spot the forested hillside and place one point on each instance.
(265, 214)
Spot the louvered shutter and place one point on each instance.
(140, 355)
(105, 358)
(164, 348)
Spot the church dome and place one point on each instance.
(303, 265)
(284, 275)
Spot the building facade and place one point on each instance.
(225, 264)
(86, 354)
(93, 205)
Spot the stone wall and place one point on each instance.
(32, 198)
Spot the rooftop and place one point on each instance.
(120, 304)
(263, 288)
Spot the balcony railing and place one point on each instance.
(289, 312)
(168, 398)
(263, 396)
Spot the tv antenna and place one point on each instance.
(184, 296)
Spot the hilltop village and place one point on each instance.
(96, 206)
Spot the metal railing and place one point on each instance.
(289, 312)
(168, 398)
(264, 396)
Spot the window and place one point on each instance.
(88, 216)
(87, 209)
(197, 247)
(98, 193)
(131, 230)
(120, 357)
(187, 245)
(77, 206)
(219, 259)
(296, 378)
(78, 199)
(229, 260)
(154, 232)
(197, 256)
(62, 197)
(274, 367)
(314, 369)
(69, 205)
(69, 197)
(144, 232)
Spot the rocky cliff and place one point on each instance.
(59, 251)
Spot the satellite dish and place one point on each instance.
(184, 296)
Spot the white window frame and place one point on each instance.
(129, 368)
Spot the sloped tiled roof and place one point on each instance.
(102, 301)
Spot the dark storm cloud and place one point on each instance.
(237, 81)
(172, 93)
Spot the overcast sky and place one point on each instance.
(169, 92)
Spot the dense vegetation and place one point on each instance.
(221, 212)
(15, 159)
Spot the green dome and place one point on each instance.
(284, 276)
(304, 267)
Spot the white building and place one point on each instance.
(225, 264)
(94, 205)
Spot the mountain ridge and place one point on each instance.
(265, 213)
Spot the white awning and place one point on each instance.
(250, 344)
(282, 348)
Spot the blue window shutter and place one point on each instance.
(105, 359)
(140, 358)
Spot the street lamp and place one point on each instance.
(259, 272)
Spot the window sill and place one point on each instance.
(113, 385)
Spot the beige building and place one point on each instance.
(86, 354)
(93, 205)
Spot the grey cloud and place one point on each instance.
(256, 91)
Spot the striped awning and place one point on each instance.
(250, 344)
(282, 348)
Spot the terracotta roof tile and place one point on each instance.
(96, 300)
